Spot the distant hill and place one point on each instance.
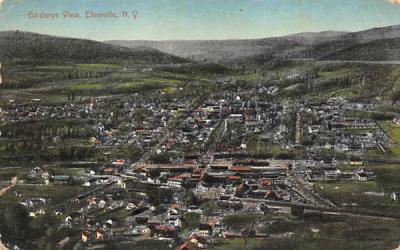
(377, 44)
(222, 50)
(378, 50)
(317, 37)
(26, 47)
(374, 34)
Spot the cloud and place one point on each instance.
(390, 1)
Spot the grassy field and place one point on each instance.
(388, 175)
(341, 72)
(55, 194)
(7, 173)
(392, 130)
(53, 83)
(362, 197)
(250, 76)
(327, 233)
(88, 66)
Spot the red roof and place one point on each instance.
(98, 142)
(108, 170)
(176, 206)
(242, 186)
(164, 228)
(234, 177)
(200, 239)
(270, 194)
(188, 246)
(266, 182)
(119, 162)
(240, 168)
(177, 179)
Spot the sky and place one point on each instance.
(197, 19)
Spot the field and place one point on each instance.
(53, 84)
(55, 195)
(329, 232)
(387, 175)
(362, 197)
(7, 173)
(392, 130)
(372, 197)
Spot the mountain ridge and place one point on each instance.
(314, 45)
(28, 47)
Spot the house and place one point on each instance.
(195, 209)
(194, 242)
(234, 178)
(356, 162)
(61, 179)
(102, 204)
(60, 211)
(361, 175)
(85, 236)
(164, 231)
(121, 183)
(132, 205)
(240, 169)
(172, 213)
(73, 218)
(37, 172)
(177, 223)
(187, 245)
(395, 196)
(100, 234)
(108, 171)
(272, 195)
(68, 220)
(205, 230)
(176, 206)
(266, 182)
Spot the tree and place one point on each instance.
(209, 208)
(190, 220)
(163, 158)
(159, 196)
(297, 211)
(395, 95)
(134, 153)
(15, 223)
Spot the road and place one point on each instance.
(13, 182)
(2, 246)
(298, 184)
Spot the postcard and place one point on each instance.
(199, 124)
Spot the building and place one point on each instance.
(395, 196)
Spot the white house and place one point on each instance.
(395, 196)
(177, 222)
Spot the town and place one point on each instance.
(194, 170)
